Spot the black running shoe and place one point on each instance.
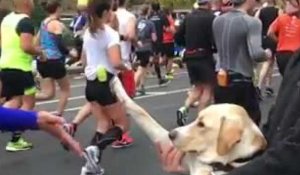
(269, 92)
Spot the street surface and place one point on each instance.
(48, 157)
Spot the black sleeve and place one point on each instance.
(180, 34)
(25, 26)
(214, 47)
(61, 45)
(282, 158)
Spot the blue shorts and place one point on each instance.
(17, 120)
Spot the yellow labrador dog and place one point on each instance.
(221, 134)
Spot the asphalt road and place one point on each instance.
(48, 157)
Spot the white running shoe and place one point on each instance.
(91, 167)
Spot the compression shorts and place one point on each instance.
(17, 120)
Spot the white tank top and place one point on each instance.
(95, 47)
(124, 17)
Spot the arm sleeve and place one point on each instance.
(113, 39)
(25, 26)
(282, 158)
(17, 120)
(214, 47)
(180, 34)
(61, 45)
(254, 41)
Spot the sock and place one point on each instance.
(16, 136)
(157, 70)
(109, 137)
(97, 137)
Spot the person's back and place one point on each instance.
(124, 17)
(198, 28)
(160, 21)
(267, 15)
(233, 43)
(145, 29)
(13, 57)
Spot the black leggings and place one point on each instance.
(283, 58)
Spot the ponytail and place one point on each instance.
(95, 10)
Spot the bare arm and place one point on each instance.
(273, 30)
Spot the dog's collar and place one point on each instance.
(221, 167)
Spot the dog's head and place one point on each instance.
(221, 133)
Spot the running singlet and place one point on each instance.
(17, 120)
(288, 29)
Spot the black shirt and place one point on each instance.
(160, 21)
(196, 30)
(267, 15)
(25, 26)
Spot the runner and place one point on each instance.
(161, 23)
(102, 54)
(17, 33)
(235, 69)
(53, 69)
(267, 15)
(146, 36)
(198, 57)
(286, 31)
(168, 44)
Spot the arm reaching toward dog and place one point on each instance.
(18, 120)
(171, 159)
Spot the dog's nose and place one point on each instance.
(173, 134)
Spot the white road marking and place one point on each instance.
(138, 98)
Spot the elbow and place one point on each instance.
(27, 48)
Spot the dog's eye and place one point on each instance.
(201, 124)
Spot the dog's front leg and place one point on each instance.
(153, 129)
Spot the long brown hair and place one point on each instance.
(95, 10)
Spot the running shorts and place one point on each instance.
(201, 70)
(158, 48)
(17, 120)
(54, 69)
(100, 92)
(144, 58)
(169, 50)
(17, 83)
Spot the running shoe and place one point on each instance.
(141, 91)
(92, 167)
(163, 82)
(269, 92)
(20, 145)
(169, 76)
(182, 116)
(125, 142)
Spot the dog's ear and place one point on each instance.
(229, 134)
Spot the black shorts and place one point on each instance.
(54, 69)
(100, 92)
(168, 50)
(144, 58)
(17, 83)
(243, 94)
(157, 48)
(201, 70)
(268, 43)
(283, 59)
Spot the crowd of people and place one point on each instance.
(225, 64)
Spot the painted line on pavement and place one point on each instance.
(154, 94)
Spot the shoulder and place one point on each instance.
(111, 32)
(252, 22)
